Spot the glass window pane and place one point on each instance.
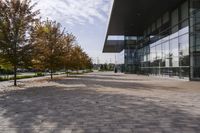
(158, 23)
(184, 14)
(174, 21)
(165, 17)
(159, 51)
(174, 52)
(184, 45)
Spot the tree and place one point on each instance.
(16, 21)
(75, 60)
(47, 40)
(68, 42)
(86, 61)
(89, 64)
(79, 59)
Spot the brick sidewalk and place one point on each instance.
(101, 103)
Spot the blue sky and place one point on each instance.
(86, 19)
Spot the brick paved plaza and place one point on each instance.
(100, 103)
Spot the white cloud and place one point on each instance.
(87, 19)
(74, 11)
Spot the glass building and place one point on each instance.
(160, 37)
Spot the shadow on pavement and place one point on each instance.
(111, 82)
(58, 109)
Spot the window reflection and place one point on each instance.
(164, 47)
(167, 56)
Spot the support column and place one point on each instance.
(194, 39)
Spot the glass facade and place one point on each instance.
(131, 63)
(167, 56)
(195, 39)
(163, 41)
(164, 47)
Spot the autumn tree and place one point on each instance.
(87, 61)
(75, 58)
(79, 59)
(47, 40)
(16, 21)
(68, 41)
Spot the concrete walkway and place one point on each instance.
(100, 103)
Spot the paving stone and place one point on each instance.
(100, 103)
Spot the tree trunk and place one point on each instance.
(15, 75)
(7, 74)
(15, 57)
(67, 73)
(51, 74)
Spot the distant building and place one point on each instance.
(160, 37)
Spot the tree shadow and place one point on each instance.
(117, 77)
(110, 82)
(58, 109)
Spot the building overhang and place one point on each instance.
(132, 17)
(113, 46)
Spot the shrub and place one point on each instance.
(39, 74)
(2, 79)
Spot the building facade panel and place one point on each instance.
(167, 50)
(170, 44)
(195, 39)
